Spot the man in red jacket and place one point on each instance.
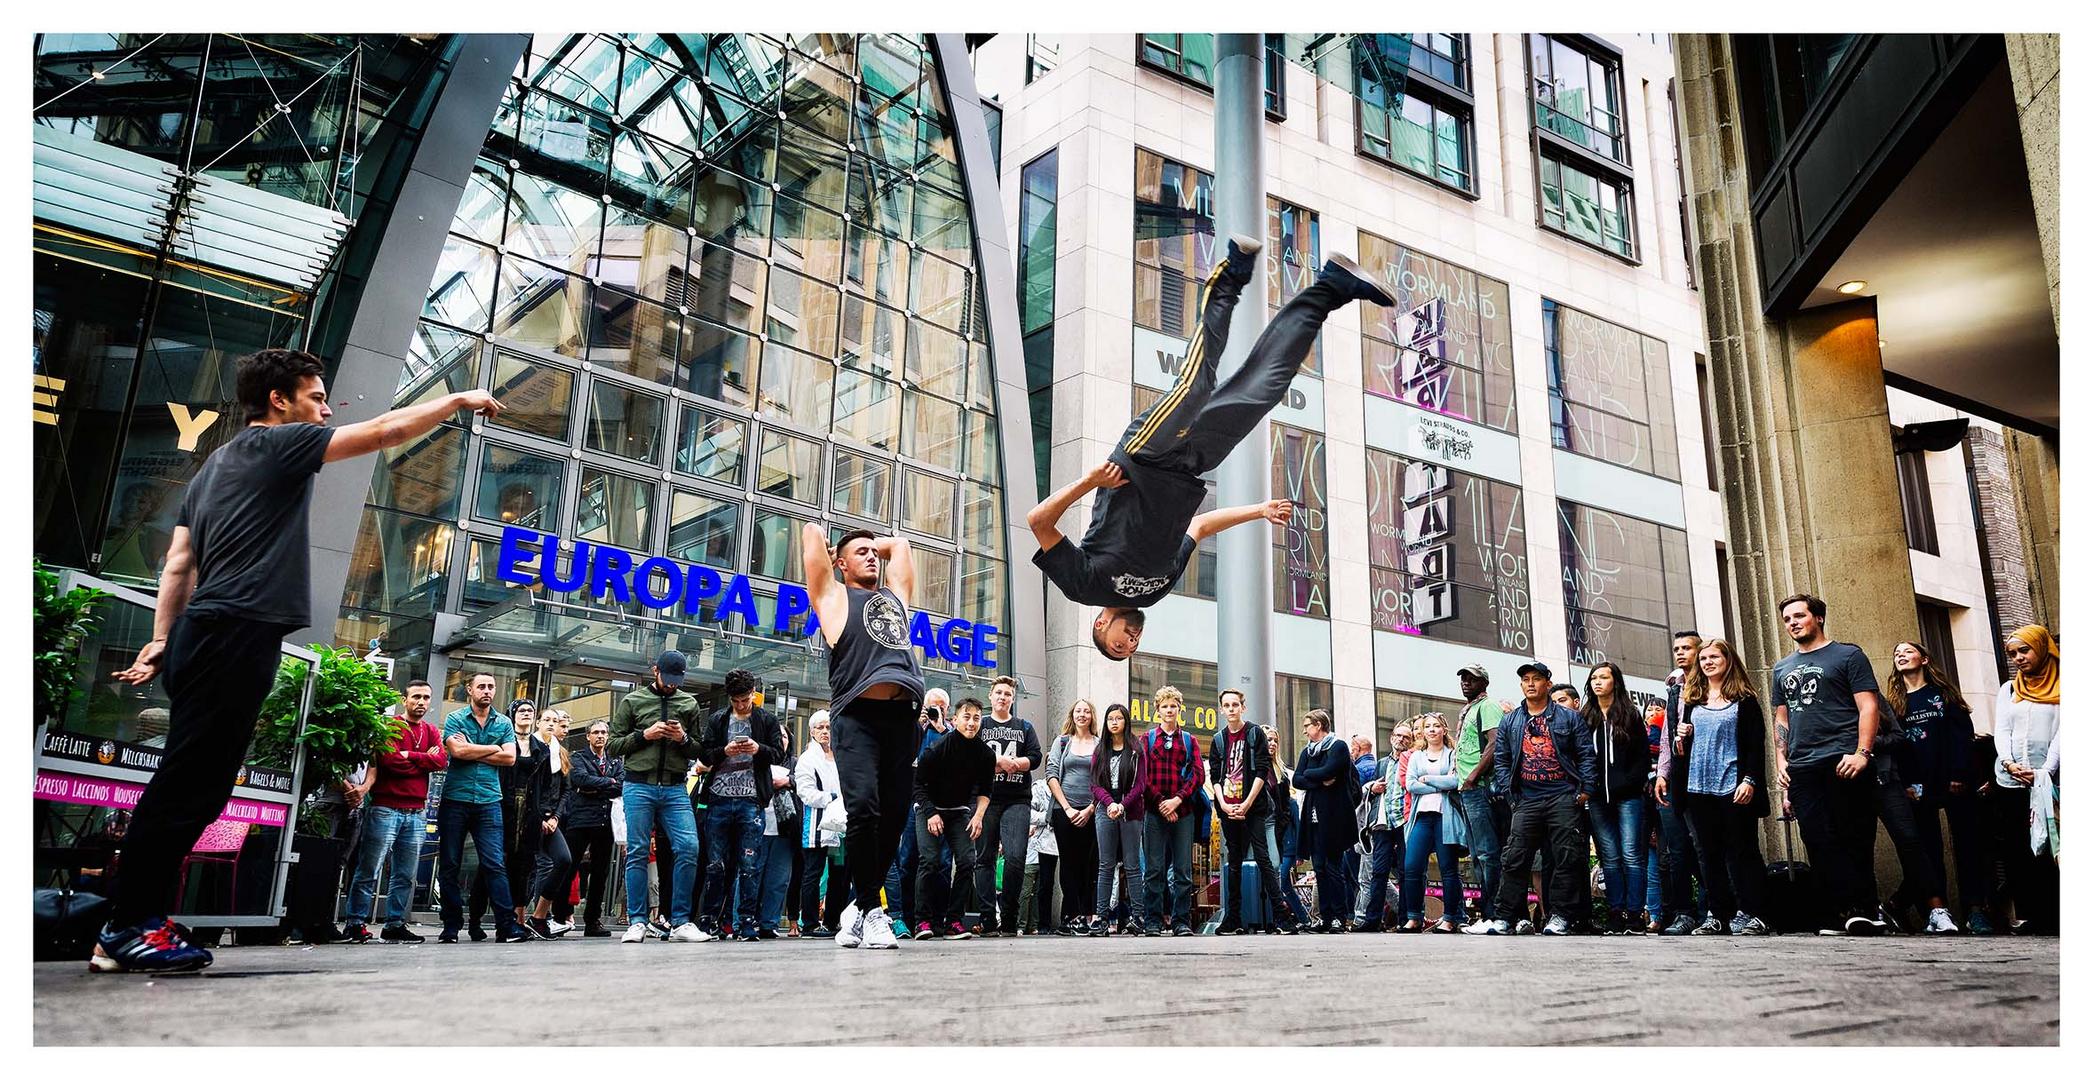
(394, 823)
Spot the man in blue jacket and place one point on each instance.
(1547, 769)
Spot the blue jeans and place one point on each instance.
(1427, 835)
(454, 820)
(1482, 842)
(1388, 847)
(1652, 861)
(733, 837)
(1166, 852)
(1288, 855)
(1618, 829)
(776, 877)
(396, 834)
(667, 805)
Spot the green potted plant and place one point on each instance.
(63, 621)
(351, 722)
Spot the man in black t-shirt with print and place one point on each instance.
(1825, 717)
(1008, 823)
(1143, 527)
(235, 582)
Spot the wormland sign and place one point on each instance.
(660, 584)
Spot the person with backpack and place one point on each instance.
(1240, 769)
(1718, 762)
(1173, 804)
(1283, 833)
(1069, 780)
(1118, 775)
(1324, 771)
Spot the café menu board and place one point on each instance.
(61, 746)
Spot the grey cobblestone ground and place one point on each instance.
(1790, 991)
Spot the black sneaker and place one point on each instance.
(355, 934)
(1230, 927)
(401, 934)
(150, 948)
(1287, 928)
(1242, 257)
(1182, 929)
(448, 937)
(538, 929)
(1681, 926)
(594, 930)
(476, 933)
(817, 931)
(1354, 282)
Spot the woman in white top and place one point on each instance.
(1432, 823)
(821, 833)
(2024, 790)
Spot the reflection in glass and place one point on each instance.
(981, 590)
(624, 422)
(651, 177)
(934, 571)
(518, 487)
(462, 291)
(709, 445)
(634, 336)
(717, 361)
(439, 361)
(536, 398)
(937, 360)
(553, 224)
(876, 265)
(872, 335)
(537, 305)
(984, 454)
(733, 211)
(615, 509)
(980, 517)
(868, 409)
(702, 529)
(424, 475)
(774, 545)
(939, 292)
(926, 503)
(803, 313)
(933, 430)
(808, 238)
(795, 387)
(723, 285)
(399, 563)
(789, 467)
(862, 484)
(810, 168)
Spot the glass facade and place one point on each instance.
(1447, 553)
(1577, 94)
(1626, 587)
(725, 285)
(1422, 125)
(1475, 383)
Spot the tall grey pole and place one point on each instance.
(1243, 592)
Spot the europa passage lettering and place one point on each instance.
(704, 595)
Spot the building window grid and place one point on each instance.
(1187, 56)
(1657, 425)
(1275, 77)
(1444, 149)
(1572, 108)
(1590, 208)
(1673, 592)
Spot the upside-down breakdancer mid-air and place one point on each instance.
(1142, 528)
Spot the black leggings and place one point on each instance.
(1078, 844)
(816, 904)
(218, 672)
(590, 846)
(1732, 870)
(875, 747)
(554, 868)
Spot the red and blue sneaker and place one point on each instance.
(151, 947)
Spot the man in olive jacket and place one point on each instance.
(655, 729)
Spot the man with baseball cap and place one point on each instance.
(1474, 739)
(1547, 770)
(655, 729)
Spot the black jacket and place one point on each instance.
(592, 783)
(544, 788)
(770, 746)
(1333, 803)
(1257, 763)
(1751, 755)
(954, 772)
(1623, 764)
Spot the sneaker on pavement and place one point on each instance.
(1557, 926)
(401, 934)
(150, 948)
(879, 930)
(1487, 927)
(1979, 923)
(634, 934)
(558, 928)
(1681, 926)
(540, 929)
(1749, 926)
(689, 933)
(1938, 921)
(956, 931)
(356, 934)
(448, 937)
(924, 932)
(1863, 924)
(1182, 929)
(594, 930)
(1711, 927)
(852, 930)
(1524, 926)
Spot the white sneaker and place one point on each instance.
(1491, 927)
(850, 929)
(634, 934)
(879, 930)
(689, 932)
(1940, 922)
(557, 927)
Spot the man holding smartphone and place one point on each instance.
(740, 744)
(653, 730)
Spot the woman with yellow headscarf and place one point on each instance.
(2025, 731)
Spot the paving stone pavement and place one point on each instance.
(1784, 991)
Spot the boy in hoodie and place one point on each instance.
(953, 778)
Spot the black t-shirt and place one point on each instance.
(247, 513)
(1137, 545)
(1820, 689)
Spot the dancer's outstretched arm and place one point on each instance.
(1045, 517)
(1276, 511)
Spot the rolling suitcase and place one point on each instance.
(1794, 896)
(1253, 908)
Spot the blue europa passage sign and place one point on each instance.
(661, 584)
